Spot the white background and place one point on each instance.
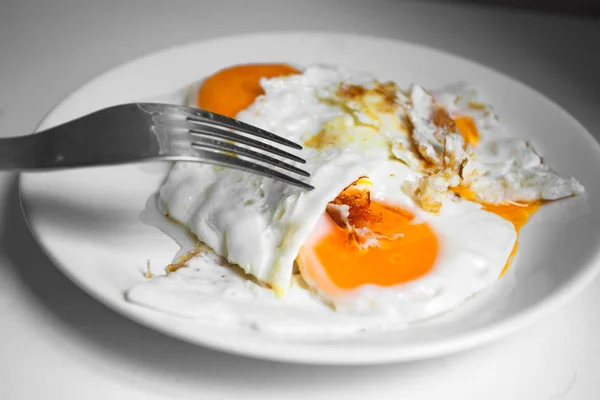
(57, 342)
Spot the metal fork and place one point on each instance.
(139, 132)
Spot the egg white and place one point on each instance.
(473, 248)
(505, 168)
(260, 225)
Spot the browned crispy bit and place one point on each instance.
(148, 274)
(389, 91)
(322, 140)
(461, 168)
(354, 239)
(359, 203)
(442, 119)
(351, 91)
(182, 261)
(475, 105)
(426, 197)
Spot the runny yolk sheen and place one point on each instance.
(467, 129)
(396, 260)
(463, 124)
(233, 89)
(337, 261)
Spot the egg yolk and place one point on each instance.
(404, 250)
(464, 125)
(518, 213)
(468, 130)
(233, 89)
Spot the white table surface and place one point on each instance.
(56, 342)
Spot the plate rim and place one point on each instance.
(465, 341)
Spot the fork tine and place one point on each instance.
(211, 157)
(212, 131)
(206, 143)
(206, 117)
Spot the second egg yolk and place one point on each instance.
(233, 89)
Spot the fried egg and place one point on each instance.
(418, 195)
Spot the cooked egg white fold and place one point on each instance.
(254, 222)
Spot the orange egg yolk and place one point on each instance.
(233, 89)
(468, 130)
(463, 124)
(404, 251)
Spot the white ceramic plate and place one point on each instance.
(89, 223)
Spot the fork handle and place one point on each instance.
(72, 145)
(24, 152)
(48, 149)
(60, 147)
